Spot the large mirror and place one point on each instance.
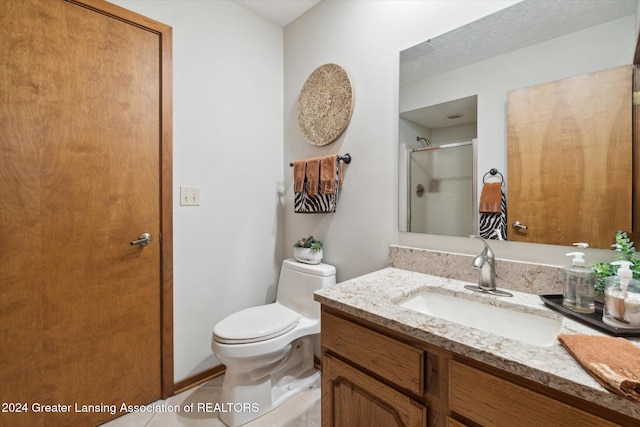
(454, 88)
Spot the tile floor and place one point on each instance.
(302, 410)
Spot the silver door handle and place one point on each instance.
(144, 240)
(519, 226)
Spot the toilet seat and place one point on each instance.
(256, 324)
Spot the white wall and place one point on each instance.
(227, 139)
(365, 38)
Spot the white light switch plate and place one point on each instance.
(189, 196)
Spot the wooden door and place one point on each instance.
(350, 398)
(82, 150)
(570, 159)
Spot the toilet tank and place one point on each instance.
(299, 281)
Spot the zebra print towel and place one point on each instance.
(318, 203)
(494, 225)
(321, 203)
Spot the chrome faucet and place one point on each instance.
(486, 263)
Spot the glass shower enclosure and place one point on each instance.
(440, 188)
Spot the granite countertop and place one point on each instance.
(375, 297)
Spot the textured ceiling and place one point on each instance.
(280, 12)
(445, 114)
(523, 24)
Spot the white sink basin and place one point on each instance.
(525, 327)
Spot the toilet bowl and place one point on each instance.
(268, 350)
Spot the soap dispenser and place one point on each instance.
(622, 298)
(578, 294)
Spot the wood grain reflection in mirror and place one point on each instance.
(574, 137)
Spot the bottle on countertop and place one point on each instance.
(622, 298)
(578, 293)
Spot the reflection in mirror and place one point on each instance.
(438, 165)
(445, 203)
(581, 139)
(526, 44)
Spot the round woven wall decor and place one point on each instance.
(325, 105)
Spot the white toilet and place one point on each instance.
(268, 350)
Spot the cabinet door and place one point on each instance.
(350, 398)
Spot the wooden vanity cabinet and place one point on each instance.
(369, 379)
(358, 400)
(489, 400)
(375, 377)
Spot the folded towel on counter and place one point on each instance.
(328, 174)
(313, 176)
(491, 197)
(299, 169)
(613, 362)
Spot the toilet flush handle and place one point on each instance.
(143, 240)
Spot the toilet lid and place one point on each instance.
(256, 324)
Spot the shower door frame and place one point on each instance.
(474, 177)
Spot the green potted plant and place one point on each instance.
(308, 250)
(626, 252)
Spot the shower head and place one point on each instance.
(425, 141)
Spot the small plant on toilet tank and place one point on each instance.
(308, 250)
